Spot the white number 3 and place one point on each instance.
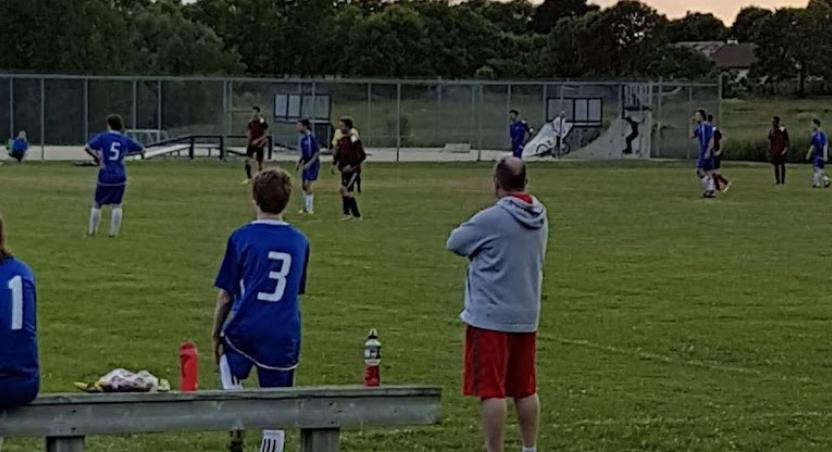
(279, 276)
(16, 287)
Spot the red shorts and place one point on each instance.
(500, 365)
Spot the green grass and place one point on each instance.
(669, 323)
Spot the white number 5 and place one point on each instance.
(16, 287)
(279, 276)
(114, 151)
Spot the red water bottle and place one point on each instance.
(372, 360)
(188, 367)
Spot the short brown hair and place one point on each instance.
(348, 122)
(272, 190)
(4, 252)
(115, 122)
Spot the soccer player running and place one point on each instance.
(257, 321)
(722, 184)
(310, 163)
(19, 369)
(818, 151)
(778, 139)
(256, 142)
(348, 158)
(506, 247)
(704, 135)
(109, 149)
(519, 131)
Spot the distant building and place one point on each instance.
(730, 56)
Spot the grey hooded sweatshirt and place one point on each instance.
(506, 245)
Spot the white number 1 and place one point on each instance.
(114, 151)
(279, 276)
(16, 286)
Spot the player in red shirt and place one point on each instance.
(778, 138)
(256, 142)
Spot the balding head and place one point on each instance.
(509, 176)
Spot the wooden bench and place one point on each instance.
(320, 413)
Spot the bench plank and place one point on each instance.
(308, 408)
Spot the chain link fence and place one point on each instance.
(400, 116)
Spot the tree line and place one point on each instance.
(401, 38)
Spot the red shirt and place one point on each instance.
(778, 140)
(256, 129)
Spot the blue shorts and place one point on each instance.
(15, 392)
(705, 164)
(819, 163)
(109, 194)
(241, 366)
(311, 174)
(517, 151)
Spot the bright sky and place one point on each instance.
(725, 9)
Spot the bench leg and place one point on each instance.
(65, 444)
(324, 440)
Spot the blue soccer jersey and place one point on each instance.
(309, 146)
(18, 322)
(113, 147)
(264, 270)
(819, 142)
(518, 131)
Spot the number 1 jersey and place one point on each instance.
(264, 270)
(18, 335)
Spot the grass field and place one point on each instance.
(670, 323)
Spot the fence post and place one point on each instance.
(86, 109)
(398, 119)
(479, 123)
(159, 106)
(720, 94)
(313, 115)
(11, 106)
(659, 119)
(509, 107)
(43, 119)
(325, 440)
(65, 444)
(690, 115)
(191, 147)
(369, 113)
(135, 112)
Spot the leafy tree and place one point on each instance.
(513, 16)
(547, 15)
(697, 27)
(392, 43)
(747, 25)
(788, 45)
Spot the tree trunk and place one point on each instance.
(801, 89)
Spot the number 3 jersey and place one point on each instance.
(264, 270)
(18, 336)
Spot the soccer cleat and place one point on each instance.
(827, 184)
(302, 212)
(246, 181)
(727, 187)
(709, 195)
(347, 218)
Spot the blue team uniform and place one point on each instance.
(309, 146)
(704, 134)
(518, 131)
(819, 142)
(19, 369)
(112, 147)
(264, 270)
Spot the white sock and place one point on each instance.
(530, 449)
(273, 441)
(705, 183)
(95, 219)
(711, 186)
(115, 224)
(310, 203)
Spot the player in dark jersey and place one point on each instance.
(309, 162)
(109, 149)
(257, 321)
(704, 136)
(779, 143)
(348, 158)
(722, 184)
(19, 369)
(256, 142)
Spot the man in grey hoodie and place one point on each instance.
(506, 246)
